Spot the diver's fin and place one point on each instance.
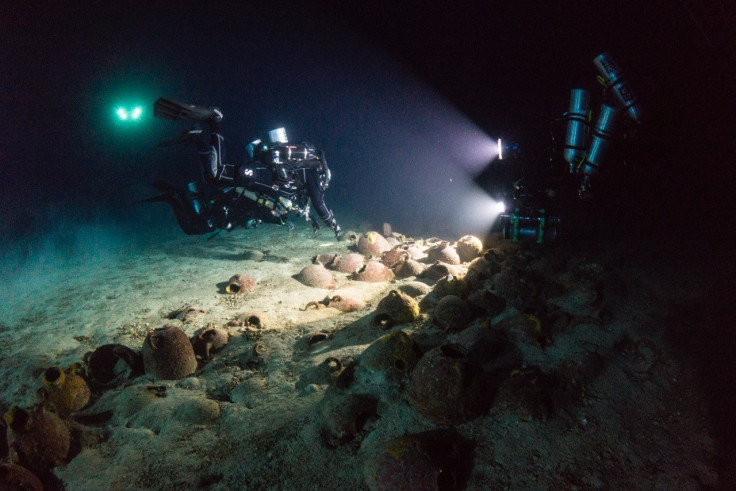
(165, 108)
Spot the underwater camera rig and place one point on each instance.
(525, 216)
(283, 155)
(530, 224)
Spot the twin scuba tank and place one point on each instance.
(585, 150)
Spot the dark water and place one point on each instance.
(403, 104)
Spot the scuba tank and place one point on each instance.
(577, 127)
(614, 79)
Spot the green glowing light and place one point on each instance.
(129, 113)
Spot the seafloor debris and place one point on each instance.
(317, 338)
(395, 355)
(187, 312)
(344, 416)
(349, 236)
(259, 355)
(479, 355)
(373, 271)
(437, 459)
(208, 341)
(447, 388)
(248, 320)
(110, 365)
(345, 303)
(316, 276)
(394, 257)
(451, 313)
(396, 308)
(15, 477)
(408, 267)
(414, 249)
(452, 285)
(443, 252)
(373, 244)
(439, 270)
(468, 248)
(240, 283)
(347, 263)
(323, 259)
(168, 354)
(314, 304)
(65, 390)
(38, 439)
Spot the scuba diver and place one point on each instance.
(587, 145)
(278, 179)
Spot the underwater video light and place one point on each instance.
(507, 150)
(129, 114)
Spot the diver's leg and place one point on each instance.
(189, 221)
(212, 157)
(190, 209)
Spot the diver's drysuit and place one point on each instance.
(280, 178)
(223, 210)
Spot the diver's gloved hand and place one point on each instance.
(315, 225)
(333, 225)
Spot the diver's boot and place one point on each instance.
(167, 109)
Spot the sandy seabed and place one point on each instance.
(589, 397)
